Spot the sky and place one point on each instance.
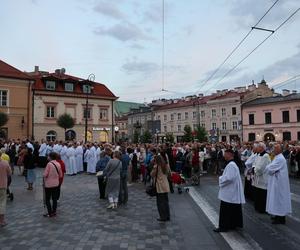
(120, 41)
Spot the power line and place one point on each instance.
(285, 82)
(261, 43)
(163, 47)
(239, 44)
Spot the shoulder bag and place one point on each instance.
(151, 190)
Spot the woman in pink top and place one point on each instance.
(51, 175)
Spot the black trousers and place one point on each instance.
(231, 216)
(101, 186)
(260, 200)
(123, 194)
(51, 194)
(42, 161)
(162, 201)
(58, 191)
(248, 190)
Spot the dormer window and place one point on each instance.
(50, 85)
(69, 87)
(87, 89)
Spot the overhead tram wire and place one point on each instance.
(239, 44)
(260, 44)
(286, 82)
(163, 48)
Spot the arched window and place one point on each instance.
(51, 136)
(70, 135)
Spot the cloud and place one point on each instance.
(146, 68)
(137, 46)
(109, 9)
(247, 13)
(123, 32)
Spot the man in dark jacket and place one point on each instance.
(123, 194)
(100, 166)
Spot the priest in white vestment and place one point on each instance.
(279, 195)
(79, 157)
(71, 170)
(231, 195)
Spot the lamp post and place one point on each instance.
(88, 90)
(197, 102)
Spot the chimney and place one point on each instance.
(294, 91)
(285, 92)
(57, 71)
(36, 69)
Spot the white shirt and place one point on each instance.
(230, 183)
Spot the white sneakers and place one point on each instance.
(112, 206)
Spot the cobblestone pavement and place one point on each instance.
(83, 222)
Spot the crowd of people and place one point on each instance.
(117, 164)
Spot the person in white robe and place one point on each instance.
(98, 152)
(260, 180)
(57, 148)
(231, 195)
(79, 157)
(71, 170)
(248, 189)
(63, 155)
(42, 154)
(92, 160)
(279, 195)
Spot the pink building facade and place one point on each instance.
(274, 118)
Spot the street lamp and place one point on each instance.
(88, 90)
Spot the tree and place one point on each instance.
(146, 137)
(169, 137)
(3, 119)
(201, 134)
(187, 137)
(65, 121)
(136, 136)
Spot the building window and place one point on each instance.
(202, 114)
(69, 87)
(50, 85)
(50, 112)
(172, 128)
(203, 125)
(70, 135)
(286, 136)
(194, 127)
(223, 111)
(165, 118)
(3, 97)
(223, 125)
(251, 119)
(172, 117)
(194, 115)
(251, 137)
(285, 116)
(179, 128)
(158, 117)
(51, 136)
(298, 135)
(213, 113)
(87, 113)
(298, 115)
(186, 115)
(214, 126)
(268, 118)
(234, 125)
(165, 128)
(233, 110)
(87, 89)
(179, 116)
(103, 114)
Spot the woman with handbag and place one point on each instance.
(160, 174)
(112, 173)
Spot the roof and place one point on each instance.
(273, 99)
(99, 89)
(122, 107)
(229, 94)
(9, 71)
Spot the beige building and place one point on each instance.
(220, 113)
(15, 101)
(58, 93)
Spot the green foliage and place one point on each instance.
(170, 137)
(136, 136)
(201, 134)
(187, 137)
(65, 121)
(146, 137)
(3, 119)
